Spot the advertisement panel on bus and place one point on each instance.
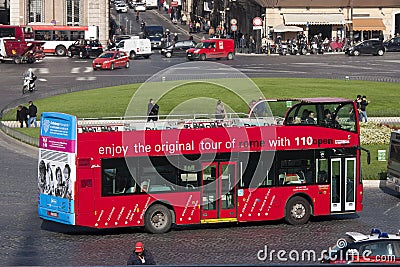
(56, 168)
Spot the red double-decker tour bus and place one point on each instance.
(134, 173)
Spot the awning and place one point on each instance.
(369, 24)
(285, 28)
(314, 19)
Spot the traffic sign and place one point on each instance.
(233, 21)
(257, 21)
(234, 27)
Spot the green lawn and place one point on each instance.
(377, 169)
(112, 101)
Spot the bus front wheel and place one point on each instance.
(158, 219)
(298, 211)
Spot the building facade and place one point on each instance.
(62, 12)
(362, 19)
(337, 22)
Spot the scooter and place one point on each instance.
(29, 85)
(283, 48)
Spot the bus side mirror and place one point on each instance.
(368, 155)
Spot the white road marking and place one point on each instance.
(389, 209)
(88, 69)
(75, 70)
(90, 78)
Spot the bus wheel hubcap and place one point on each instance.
(298, 211)
(158, 219)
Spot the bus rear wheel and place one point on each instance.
(158, 219)
(298, 211)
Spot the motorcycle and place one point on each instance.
(29, 84)
(317, 48)
(303, 47)
(283, 48)
(294, 49)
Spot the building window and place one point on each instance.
(73, 12)
(35, 11)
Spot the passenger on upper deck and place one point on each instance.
(310, 119)
(304, 116)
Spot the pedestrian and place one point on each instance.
(152, 111)
(220, 111)
(251, 111)
(22, 116)
(363, 107)
(358, 107)
(261, 108)
(141, 256)
(32, 112)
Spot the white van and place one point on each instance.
(135, 47)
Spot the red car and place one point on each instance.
(111, 60)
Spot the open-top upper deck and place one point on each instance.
(271, 112)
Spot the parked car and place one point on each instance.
(85, 48)
(392, 45)
(212, 48)
(377, 247)
(178, 49)
(111, 60)
(121, 8)
(374, 47)
(140, 7)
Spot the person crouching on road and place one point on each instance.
(141, 256)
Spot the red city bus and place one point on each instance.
(57, 38)
(107, 174)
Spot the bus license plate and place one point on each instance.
(52, 214)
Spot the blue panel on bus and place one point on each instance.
(56, 203)
(58, 125)
(56, 209)
(56, 216)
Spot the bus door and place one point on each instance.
(218, 192)
(343, 184)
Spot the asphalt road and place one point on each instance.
(27, 240)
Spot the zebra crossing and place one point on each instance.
(74, 70)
